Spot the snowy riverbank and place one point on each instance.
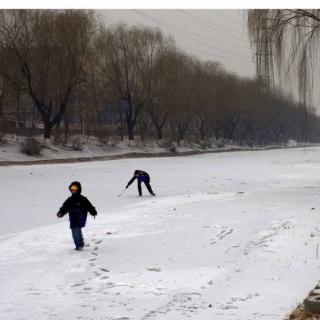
(229, 236)
(94, 150)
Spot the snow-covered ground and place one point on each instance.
(229, 236)
(10, 148)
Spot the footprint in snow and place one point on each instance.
(93, 259)
(96, 274)
(78, 284)
(87, 288)
(155, 269)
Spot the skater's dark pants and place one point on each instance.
(77, 237)
(147, 183)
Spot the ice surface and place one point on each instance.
(229, 236)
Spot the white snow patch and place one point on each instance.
(227, 239)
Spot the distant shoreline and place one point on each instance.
(132, 155)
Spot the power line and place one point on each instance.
(227, 17)
(213, 40)
(105, 17)
(185, 34)
(188, 48)
(208, 53)
(211, 26)
(209, 23)
(194, 34)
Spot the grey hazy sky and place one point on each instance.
(218, 35)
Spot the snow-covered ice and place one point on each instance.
(229, 236)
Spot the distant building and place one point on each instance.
(110, 113)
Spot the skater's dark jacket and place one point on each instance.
(78, 207)
(143, 177)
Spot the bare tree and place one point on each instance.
(121, 69)
(161, 87)
(207, 89)
(59, 64)
(50, 48)
(181, 97)
(286, 42)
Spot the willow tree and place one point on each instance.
(129, 66)
(45, 52)
(286, 43)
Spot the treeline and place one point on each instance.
(66, 67)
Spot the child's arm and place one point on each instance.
(92, 210)
(130, 182)
(64, 209)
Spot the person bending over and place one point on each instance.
(144, 177)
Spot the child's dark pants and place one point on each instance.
(77, 237)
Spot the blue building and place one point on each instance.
(110, 113)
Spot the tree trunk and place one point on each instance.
(202, 129)
(181, 132)
(57, 133)
(66, 128)
(158, 124)
(216, 133)
(130, 128)
(173, 130)
(120, 126)
(1, 108)
(129, 119)
(159, 133)
(142, 129)
(305, 123)
(47, 132)
(182, 128)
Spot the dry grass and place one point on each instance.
(300, 314)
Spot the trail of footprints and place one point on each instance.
(265, 237)
(188, 304)
(221, 232)
(96, 268)
(97, 272)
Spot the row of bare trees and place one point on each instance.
(286, 43)
(67, 67)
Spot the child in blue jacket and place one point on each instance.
(144, 177)
(78, 207)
